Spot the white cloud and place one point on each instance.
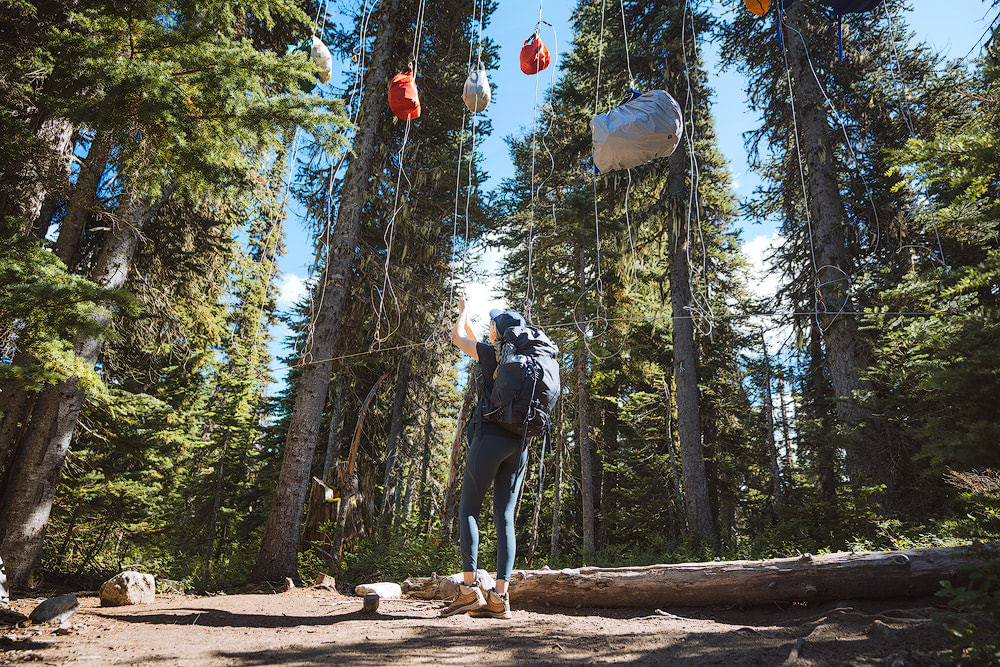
(291, 288)
(763, 278)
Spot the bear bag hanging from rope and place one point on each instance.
(403, 99)
(534, 55)
(476, 92)
(837, 10)
(646, 126)
(758, 7)
(316, 50)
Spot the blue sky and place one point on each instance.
(951, 28)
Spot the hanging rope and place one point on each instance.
(390, 232)
(357, 89)
(661, 318)
(802, 173)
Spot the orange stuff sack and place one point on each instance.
(758, 7)
(534, 56)
(403, 99)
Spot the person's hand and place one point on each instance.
(461, 303)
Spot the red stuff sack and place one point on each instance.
(403, 99)
(534, 56)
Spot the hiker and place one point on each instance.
(496, 455)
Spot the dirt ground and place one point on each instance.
(308, 626)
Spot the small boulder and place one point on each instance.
(371, 603)
(55, 610)
(128, 588)
(384, 589)
(448, 587)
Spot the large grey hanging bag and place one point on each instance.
(646, 127)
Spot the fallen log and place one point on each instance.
(836, 576)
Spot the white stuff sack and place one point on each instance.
(476, 92)
(321, 56)
(644, 128)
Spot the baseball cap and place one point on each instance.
(505, 319)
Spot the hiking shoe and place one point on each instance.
(497, 606)
(469, 598)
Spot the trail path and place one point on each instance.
(314, 627)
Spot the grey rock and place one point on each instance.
(384, 589)
(128, 588)
(55, 610)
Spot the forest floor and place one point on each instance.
(308, 626)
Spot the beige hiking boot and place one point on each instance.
(497, 606)
(469, 598)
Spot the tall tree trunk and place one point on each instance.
(278, 553)
(83, 199)
(583, 436)
(772, 448)
(696, 500)
(674, 473)
(423, 497)
(455, 460)
(536, 512)
(332, 454)
(845, 347)
(411, 477)
(213, 513)
(22, 525)
(817, 388)
(390, 481)
(557, 495)
(786, 440)
(50, 176)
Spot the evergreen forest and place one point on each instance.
(155, 153)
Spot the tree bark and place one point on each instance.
(846, 350)
(557, 495)
(583, 435)
(674, 474)
(835, 576)
(390, 480)
(213, 513)
(83, 199)
(423, 497)
(535, 514)
(411, 476)
(772, 448)
(278, 553)
(50, 176)
(332, 454)
(22, 525)
(785, 437)
(696, 500)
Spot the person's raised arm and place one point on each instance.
(461, 334)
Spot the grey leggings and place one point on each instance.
(498, 458)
